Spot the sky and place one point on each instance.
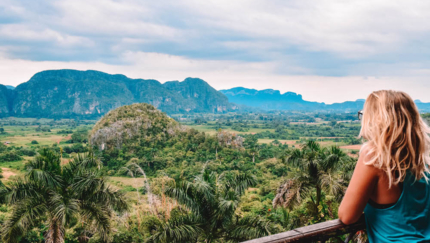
(328, 51)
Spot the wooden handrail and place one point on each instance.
(316, 232)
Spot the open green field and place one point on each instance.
(324, 143)
(24, 140)
(210, 129)
(18, 135)
(267, 141)
(11, 169)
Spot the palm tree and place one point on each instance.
(208, 211)
(316, 170)
(73, 195)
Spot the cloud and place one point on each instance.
(20, 33)
(224, 75)
(288, 45)
(349, 30)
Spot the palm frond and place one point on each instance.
(99, 216)
(64, 208)
(22, 189)
(333, 184)
(24, 215)
(237, 182)
(291, 193)
(4, 190)
(85, 161)
(227, 206)
(88, 182)
(183, 192)
(251, 227)
(181, 229)
(108, 196)
(45, 178)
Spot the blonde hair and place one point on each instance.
(397, 137)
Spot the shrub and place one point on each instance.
(9, 156)
(3, 208)
(129, 189)
(143, 190)
(27, 152)
(34, 142)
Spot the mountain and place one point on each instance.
(198, 92)
(90, 94)
(270, 99)
(6, 96)
(131, 123)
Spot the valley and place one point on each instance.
(167, 174)
(73, 94)
(169, 150)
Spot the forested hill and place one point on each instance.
(90, 94)
(270, 99)
(5, 100)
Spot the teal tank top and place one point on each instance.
(408, 220)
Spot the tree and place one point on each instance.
(80, 136)
(333, 123)
(316, 170)
(62, 197)
(210, 203)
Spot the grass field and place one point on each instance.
(24, 135)
(351, 147)
(127, 181)
(11, 169)
(210, 129)
(267, 141)
(32, 120)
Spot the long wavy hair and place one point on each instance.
(397, 137)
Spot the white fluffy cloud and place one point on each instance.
(316, 48)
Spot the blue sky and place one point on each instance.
(328, 51)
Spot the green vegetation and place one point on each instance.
(211, 201)
(286, 127)
(317, 171)
(90, 94)
(61, 197)
(196, 180)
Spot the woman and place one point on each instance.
(390, 179)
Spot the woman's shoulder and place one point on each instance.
(365, 162)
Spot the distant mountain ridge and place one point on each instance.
(90, 94)
(270, 99)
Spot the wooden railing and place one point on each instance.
(317, 232)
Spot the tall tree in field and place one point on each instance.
(314, 170)
(210, 203)
(62, 197)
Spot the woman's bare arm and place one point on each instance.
(360, 188)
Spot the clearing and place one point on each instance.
(7, 172)
(353, 147)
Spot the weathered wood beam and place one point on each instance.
(315, 232)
